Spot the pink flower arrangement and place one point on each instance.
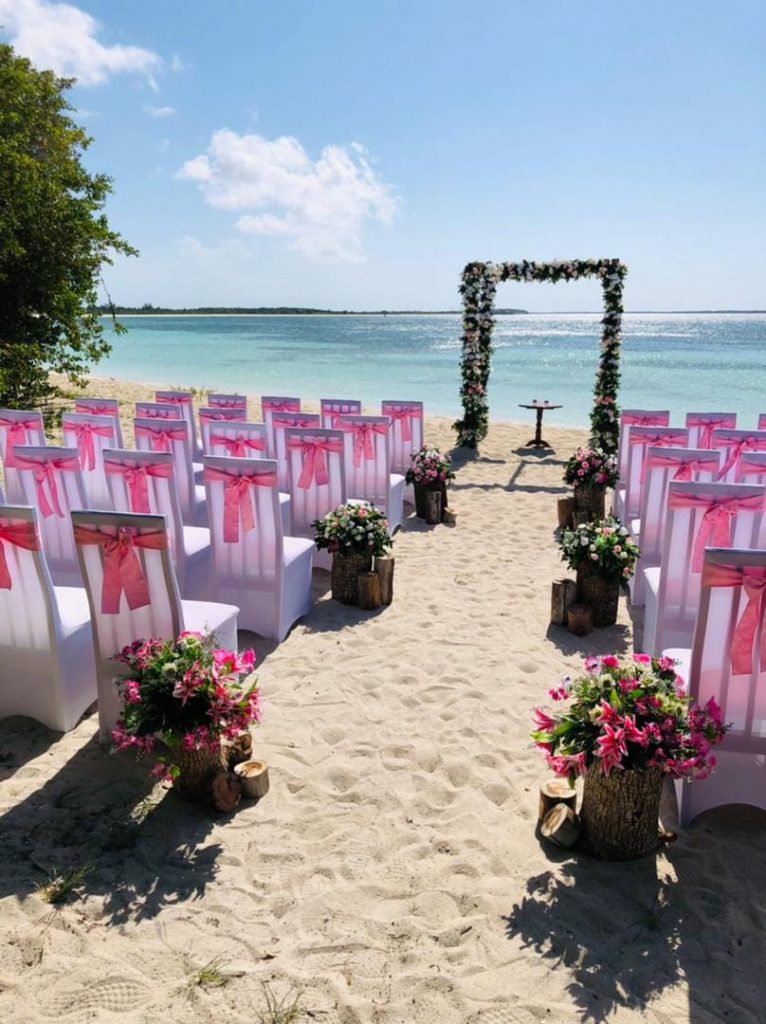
(629, 713)
(429, 468)
(189, 691)
(591, 466)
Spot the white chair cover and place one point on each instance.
(128, 605)
(698, 516)
(316, 480)
(664, 465)
(727, 661)
(52, 483)
(211, 417)
(368, 466)
(145, 483)
(639, 441)
(90, 435)
(702, 424)
(101, 407)
(184, 401)
(18, 427)
(406, 432)
(237, 439)
(733, 444)
(47, 667)
(267, 575)
(173, 436)
(280, 422)
(158, 411)
(752, 468)
(218, 401)
(271, 404)
(630, 418)
(333, 408)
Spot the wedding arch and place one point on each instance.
(478, 287)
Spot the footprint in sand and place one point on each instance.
(117, 995)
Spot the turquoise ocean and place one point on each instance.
(681, 361)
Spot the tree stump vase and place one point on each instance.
(602, 595)
(589, 503)
(198, 768)
(421, 498)
(620, 812)
(433, 514)
(344, 575)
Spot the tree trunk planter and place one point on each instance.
(421, 499)
(602, 595)
(198, 769)
(589, 503)
(620, 812)
(433, 514)
(344, 575)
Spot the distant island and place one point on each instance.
(149, 310)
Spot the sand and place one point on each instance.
(392, 874)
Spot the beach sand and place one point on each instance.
(392, 874)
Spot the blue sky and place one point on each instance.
(357, 155)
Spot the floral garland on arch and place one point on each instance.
(478, 287)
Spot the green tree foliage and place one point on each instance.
(54, 237)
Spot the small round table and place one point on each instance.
(540, 407)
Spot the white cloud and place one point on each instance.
(62, 38)
(321, 206)
(164, 145)
(159, 112)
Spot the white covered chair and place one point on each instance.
(47, 666)
(210, 417)
(52, 482)
(90, 435)
(133, 595)
(406, 432)
(733, 444)
(332, 409)
(727, 661)
(630, 418)
(145, 483)
(173, 436)
(752, 468)
(18, 427)
(663, 466)
(702, 424)
(184, 402)
(219, 401)
(639, 441)
(698, 516)
(266, 574)
(237, 439)
(158, 411)
(316, 475)
(101, 407)
(281, 422)
(271, 404)
(367, 456)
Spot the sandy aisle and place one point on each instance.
(392, 874)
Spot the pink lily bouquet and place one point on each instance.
(429, 468)
(604, 547)
(628, 713)
(188, 691)
(354, 528)
(591, 466)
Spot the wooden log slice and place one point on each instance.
(556, 791)
(368, 589)
(580, 619)
(565, 509)
(563, 594)
(254, 776)
(225, 791)
(384, 567)
(562, 826)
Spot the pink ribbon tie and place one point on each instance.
(237, 505)
(238, 446)
(45, 474)
(736, 451)
(20, 535)
(744, 658)
(273, 407)
(95, 410)
(405, 417)
(314, 459)
(85, 433)
(629, 420)
(136, 479)
(363, 439)
(17, 435)
(653, 441)
(174, 399)
(122, 567)
(162, 438)
(708, 426)
(717, 520)
(686, 469)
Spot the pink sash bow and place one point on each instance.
(17, 435)
(236, 499)
(289, 406)
(85, 432)
(405, 418)
(708, 426)
(653, 441)
(45, 475)
(162, 438)
(743, 655)
(171, 413)
(95, 410)
(314, 459)
(222, 415)
(363, 439)
(309, 420)
(686, 468)
(748, 444)
(21, 535)
(228, 403)
(174, 399)
(631, 420)
(238, 446)
(717, 519)
(136, 480)
(122, 568)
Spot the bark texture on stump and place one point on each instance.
(433, 507)
(384, 567)
(589, 503)
(563, 595)
(198, 767)
(602, 595)
(620, 812)
(369, 591)
(345, 573)
(580, 619)
(565, 508)
(555, 791)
